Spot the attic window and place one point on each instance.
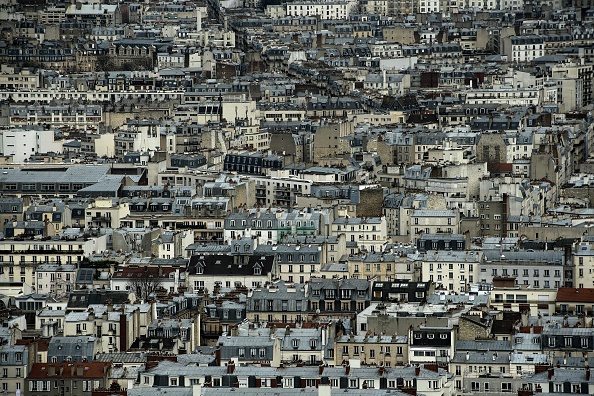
(257, 270)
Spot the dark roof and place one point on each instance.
(85, 298)
(226, 265)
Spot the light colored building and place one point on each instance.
(452, 270)
(57, 280)
(380, 350)
(23, 143)
(520, 49)
(369, 233)
(325, 10)
(106, 212)
(15, 362)
(20, 258)
(434, 222)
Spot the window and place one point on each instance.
(506, 387)
(475, 386)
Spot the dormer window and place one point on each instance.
(257, 271)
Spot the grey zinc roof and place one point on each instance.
(452, 256)
(481, 357)
(432, 213)
(483, 345)
(166, 367)
(121, 357)
(166, 391)
(542, 256)
(195, 359)
(83, 174)
(280, 293)
(71, 346)
(245, 341)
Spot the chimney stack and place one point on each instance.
(551, 372)
(230, 367)
(587, 373)
(417, 370)
(348, 369)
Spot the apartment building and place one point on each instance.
(325, 10)
(55, 280)
(370, 233)
(433, 222)
(205, 272)
(106, 212)
(280, 301)
(57, 113)
(536, 269)
(380, 350)
(15, 363)
(20, 258)
(452, 270)
(295, 263)
(14, 78)
(337, 297)
(79, 379)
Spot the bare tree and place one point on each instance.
(143, 284)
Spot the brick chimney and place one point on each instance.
(348, 369)
(230, 367)
(587, 373)
(320, 369)
(381, 370)
(417, 370)
(551, 372)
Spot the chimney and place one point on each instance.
(587, 373)
(230, 367)
(467, 356)
(551, 372)
(348, 369)
(320, 369)
(123, 332)
(417, 370)
(218, 356)
(381, 370)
